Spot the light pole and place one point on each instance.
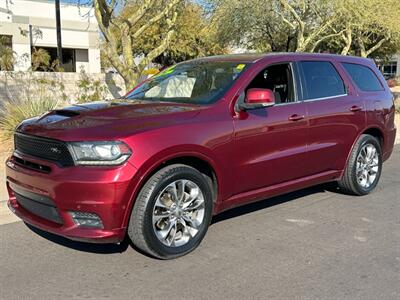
(58, 29)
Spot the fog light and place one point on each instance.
(85, 219)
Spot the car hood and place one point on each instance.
(107, 119)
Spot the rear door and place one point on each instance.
(336, 114)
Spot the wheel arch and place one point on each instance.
(377, 133)
(374, 131)
(197, 160)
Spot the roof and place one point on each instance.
(253, 57)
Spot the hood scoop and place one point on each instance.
(57, 115)
(66, 113)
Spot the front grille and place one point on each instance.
(47, 149)
(31, 165)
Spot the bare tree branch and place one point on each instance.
(300, 24)
(365, 52)
(347, 37)
(324, 38)
(169, 7)
(163, 45)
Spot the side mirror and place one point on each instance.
(258, 98)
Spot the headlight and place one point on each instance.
(100, 153)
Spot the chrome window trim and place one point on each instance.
(325, 98)
(287, 103)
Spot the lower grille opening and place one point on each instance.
(44, 211)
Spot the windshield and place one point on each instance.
(192, 82)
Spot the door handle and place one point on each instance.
(296, 117)
(355, 108)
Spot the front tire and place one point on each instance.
(172, 212)
(364, 167)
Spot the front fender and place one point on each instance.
(148, 168)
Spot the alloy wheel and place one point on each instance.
(367, 166)
(178, 213)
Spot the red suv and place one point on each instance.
(201, 137)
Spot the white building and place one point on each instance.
(31, 23)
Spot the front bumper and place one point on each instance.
(104, 191)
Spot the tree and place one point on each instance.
(194, 37)
(359, 27)
(253, 25)
(371, 27)
(276, 25)
(120, 31)
(311, 21)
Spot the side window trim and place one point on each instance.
(304, 96)
(325, 98)
(293, 79)
(297, 77)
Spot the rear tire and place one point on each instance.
(363, 168)
(172, 212)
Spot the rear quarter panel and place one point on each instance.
(380, 110)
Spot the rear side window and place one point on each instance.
(364, 77)
(321, 80)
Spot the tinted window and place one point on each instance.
(321, 80)
(363, 77)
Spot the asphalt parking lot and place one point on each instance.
(311, 244)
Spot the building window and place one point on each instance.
(69, 59)
(389, 69)
(82, 60)
(6, 53)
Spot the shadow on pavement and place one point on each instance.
(81, 246)
(232, 213)
(249, 208)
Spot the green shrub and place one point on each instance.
(7, 55)
(15, 111)
(41, 59)
(28, 96)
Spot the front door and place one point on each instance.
(271, 143)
